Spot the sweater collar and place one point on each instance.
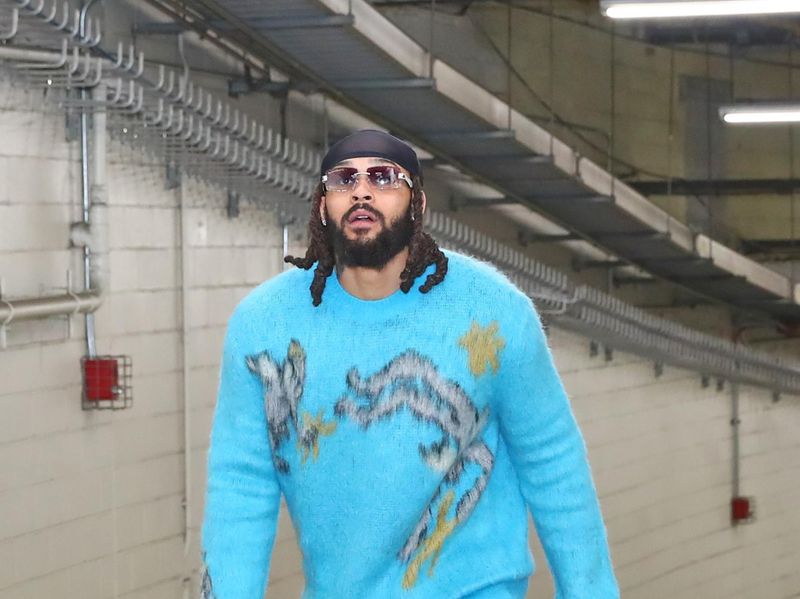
(337, 297)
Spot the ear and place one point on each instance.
(322, 207)
(424, 202)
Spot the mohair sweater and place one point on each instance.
(409, 436)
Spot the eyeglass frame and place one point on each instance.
(400, 175)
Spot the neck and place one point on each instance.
(370, 283)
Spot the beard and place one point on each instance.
(372, 253)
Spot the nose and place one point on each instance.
(361, 191)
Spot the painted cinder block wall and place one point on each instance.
(91, 502)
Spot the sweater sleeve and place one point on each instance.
(243, 495)
(549, 455)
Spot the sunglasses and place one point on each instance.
(384, 176)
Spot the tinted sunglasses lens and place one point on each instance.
(379, 177)
(340, 179)
(383, 177)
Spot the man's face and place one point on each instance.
(367, 226)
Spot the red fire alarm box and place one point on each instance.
(742, 510)
(106, 382)
(102, 378)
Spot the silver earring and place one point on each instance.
(324, 222)
(412, 216)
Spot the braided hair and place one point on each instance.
(422, 250)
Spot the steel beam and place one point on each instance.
(311, 22)
(579, 264)
(709, 278)
(778, 301)
(470, 135)
(631, 235)
(243, 86)
(675, 259)
(619, 281)
(525, 238)
(522, 159)
(588, 198)
(771, 246)
(718, 187)
(271, 24)
(378, 84)
(456, 203)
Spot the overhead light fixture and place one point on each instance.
(760, 113)
(639, 9)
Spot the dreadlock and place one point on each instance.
(422, 250)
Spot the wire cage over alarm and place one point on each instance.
(106, 383)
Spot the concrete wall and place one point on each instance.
(91, 502)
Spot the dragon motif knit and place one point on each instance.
(408, 435)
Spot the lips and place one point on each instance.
(361, 216)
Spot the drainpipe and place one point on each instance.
(735, 422)
(187, 431)
(92, 231)
(98, 208)
(91, 191)
(85, 197)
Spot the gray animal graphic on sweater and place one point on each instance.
(411, 381)
(283, 390)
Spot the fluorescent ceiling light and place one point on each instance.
(629, 9)
(760, 113)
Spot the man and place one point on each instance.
(409, 429)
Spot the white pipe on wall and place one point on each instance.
(51, 305)
(86, 201)
(98, 210)
(187, 432)
(735, 422)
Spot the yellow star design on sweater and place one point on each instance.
(314, 427)
(482, 343)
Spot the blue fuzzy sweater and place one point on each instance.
(409, 436)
